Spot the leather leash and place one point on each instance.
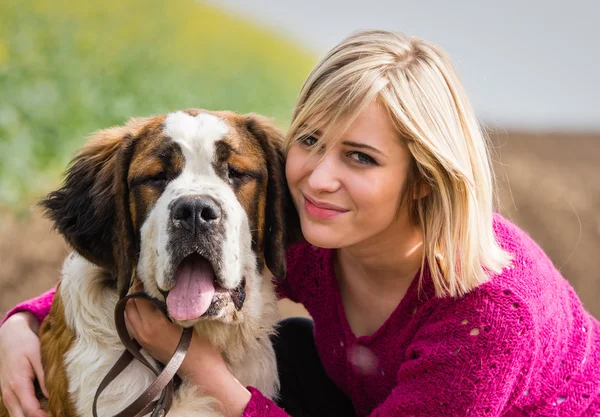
(163, 384)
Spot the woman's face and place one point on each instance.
(349, 192)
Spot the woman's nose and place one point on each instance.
(324, 176)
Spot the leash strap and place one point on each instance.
(163, 384)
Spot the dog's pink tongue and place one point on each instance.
(193, 292)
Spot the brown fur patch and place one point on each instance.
(56, 340)
(154, 156)
(249, 155)
(281, 224)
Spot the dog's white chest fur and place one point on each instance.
(89, 306)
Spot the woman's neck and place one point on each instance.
(374, 276)
(388, 260)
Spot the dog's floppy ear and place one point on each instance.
(91, 209)
(281, 227)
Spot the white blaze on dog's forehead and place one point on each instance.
(196, 135)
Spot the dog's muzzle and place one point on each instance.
(196, 214)
(195, 286)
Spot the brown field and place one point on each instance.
(549, 185)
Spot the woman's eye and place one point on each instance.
(362, 158)
(309, 141)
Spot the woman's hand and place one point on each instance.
(203, 365)
(20, 364)
(149, 326)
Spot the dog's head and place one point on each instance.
(195, 201)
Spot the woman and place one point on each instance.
(424, 301)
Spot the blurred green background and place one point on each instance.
(68, 68)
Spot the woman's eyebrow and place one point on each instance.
(317, 134)
(362, 146)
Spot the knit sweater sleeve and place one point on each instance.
(38, 306)
(261, 406)
(470, 358)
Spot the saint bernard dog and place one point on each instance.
(192, 204)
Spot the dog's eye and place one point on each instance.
(157, 180)
(236, 175)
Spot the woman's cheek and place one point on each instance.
(293, 170)
(376, 201)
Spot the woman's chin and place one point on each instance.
(322, 236)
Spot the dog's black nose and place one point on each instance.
(195, 213)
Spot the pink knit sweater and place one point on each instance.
(519, 345)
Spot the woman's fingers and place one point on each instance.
(147, 321)
(152, 329)
(38, 369)
(147, 310)
(20, 399)
(12, 403)
(133, 321)
(20, 353)
(29, 403)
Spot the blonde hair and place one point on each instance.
(419, 87)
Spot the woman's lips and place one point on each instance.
(322, 211)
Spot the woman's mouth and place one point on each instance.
(321, 210)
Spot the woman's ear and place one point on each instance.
(422, 189)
